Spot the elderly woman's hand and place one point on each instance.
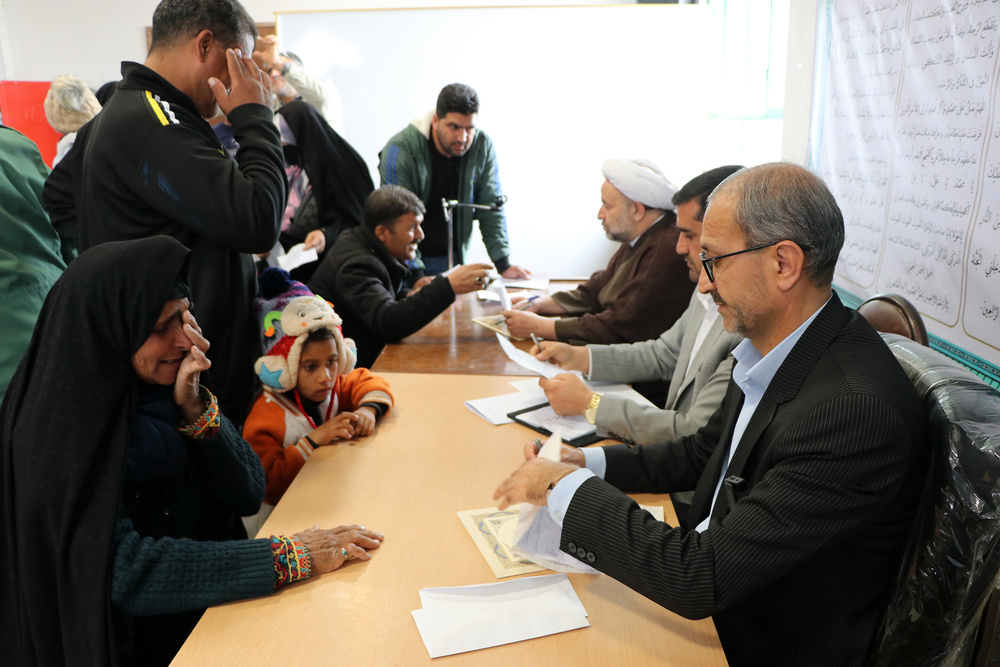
(326, 546)
(187, 387)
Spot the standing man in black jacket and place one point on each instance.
(150, 164)
(364, 277)
(805, 480)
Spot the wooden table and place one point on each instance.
(429, 459)
(453, 343)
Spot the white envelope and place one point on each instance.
(467, 618)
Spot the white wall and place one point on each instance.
(40, 39)
(798, 80)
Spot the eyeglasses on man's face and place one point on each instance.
(707, 261)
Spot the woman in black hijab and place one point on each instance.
(122, 485)
(339, 180)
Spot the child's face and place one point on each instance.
(317, 369)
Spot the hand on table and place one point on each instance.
(326, 545)
(365, 425)
(341, 426)
(514, 272)
(522, 323)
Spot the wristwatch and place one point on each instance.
(591, 412)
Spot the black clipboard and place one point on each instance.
(579, 441)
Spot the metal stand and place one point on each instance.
(449, 206)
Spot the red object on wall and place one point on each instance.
(21, 107)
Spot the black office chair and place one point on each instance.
(891, 313)
(952, 562)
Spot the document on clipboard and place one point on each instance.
(575, 430)
(496, 323)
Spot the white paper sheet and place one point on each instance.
(526, 385)
(468, 618)
(527, 361)
(296, 256)
(571, 426)
(498, 288)
(494, 409)
(537, 534)
(537, 281)
(490, 295)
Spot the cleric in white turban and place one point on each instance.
(641, 181)
(646, 284)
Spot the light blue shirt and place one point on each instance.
(752, 373)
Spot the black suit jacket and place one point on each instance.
(797, 569)
(368, 289)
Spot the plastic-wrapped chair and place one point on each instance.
(953, 559)
(891, 313)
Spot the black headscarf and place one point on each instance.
(339, 176)
(65, 426)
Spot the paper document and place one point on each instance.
(496, 323)
(536, 536)
(468, 618)
(531, 384)
(494, 409)
(571, 427)
(492, 531)
(527, 361)
(497, 288)
(490, 295)
(537, 281)
(296, 256)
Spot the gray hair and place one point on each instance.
(781, 200)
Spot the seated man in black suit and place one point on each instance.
(805, 479)
(364, 277)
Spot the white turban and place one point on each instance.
(641, 181)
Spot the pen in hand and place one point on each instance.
(538, 343)
(524, 305)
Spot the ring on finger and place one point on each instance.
(479, 279)
(343, 552)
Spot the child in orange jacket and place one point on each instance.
(311, 395)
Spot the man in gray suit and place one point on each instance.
(693, 354)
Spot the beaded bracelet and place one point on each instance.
(208, 424)
(291, 560)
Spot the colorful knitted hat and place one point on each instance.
(288, 313)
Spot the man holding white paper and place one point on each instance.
(806, 478)
(694, 355)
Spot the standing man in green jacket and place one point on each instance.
(30, 261)
(442, 155)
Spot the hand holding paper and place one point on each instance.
(296, 256)
(531, 481)
(537, 534)
(527, 361)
